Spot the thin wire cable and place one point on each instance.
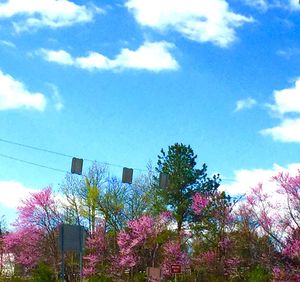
(32, 163)
(62, 154)
(34, 148)
(65, 171)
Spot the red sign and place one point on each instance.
(175, 268)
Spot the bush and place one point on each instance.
(43, 273)
(257, 274)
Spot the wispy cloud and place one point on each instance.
(245, 104)
(262, 5)
(288, 52)
(213, 22)
(45, 13)
(151, 56)
(56, 97)
(14, 95)
(7, 43)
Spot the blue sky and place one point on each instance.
(116, 81)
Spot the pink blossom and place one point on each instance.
(199, 203)
(96, 250)
(225, 243)
(173, 254)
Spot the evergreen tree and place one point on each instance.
(179, 163)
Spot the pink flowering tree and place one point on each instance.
(34, 238)
(213, 254)
(173, 253)
(278, 217)
(97, 257)
(140, 243)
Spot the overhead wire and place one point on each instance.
(59, 154)
(32, 163)
(64, 155)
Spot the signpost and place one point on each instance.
(71, 238)
(175, 269)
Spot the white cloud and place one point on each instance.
(287, 131)
(14, 95)
(259, 4)
(294, 4)
(56, 97)
(288, 53)
(12, 192)
(268, 4)
(245, 179)
(7, 43)
(152, 56)
(245, 104)
(287, 100)
(60, 56)
(201, 21)
(50, 13)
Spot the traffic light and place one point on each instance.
(77, 166)
(127, 175)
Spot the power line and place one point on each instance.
(69, 156)
(62, 154)
(65, 171)
(32, 163)
(34, 148)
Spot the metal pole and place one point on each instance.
(175, 277)
(80, 251)
(80, 266)
(62, 255)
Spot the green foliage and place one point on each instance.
(257, 274)
(100, 279)
(179, 163)
(139, 277)
(43, 273)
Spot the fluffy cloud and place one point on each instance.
(12, 192)
(14, 95)
(245, 104)
(201, 21)
(60, 56)
(294, 4)
(287, 100)
(245, 179)
(50, 13)
(152, 56)
(287, 131)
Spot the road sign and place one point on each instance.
(175, 268)
(71, 238)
